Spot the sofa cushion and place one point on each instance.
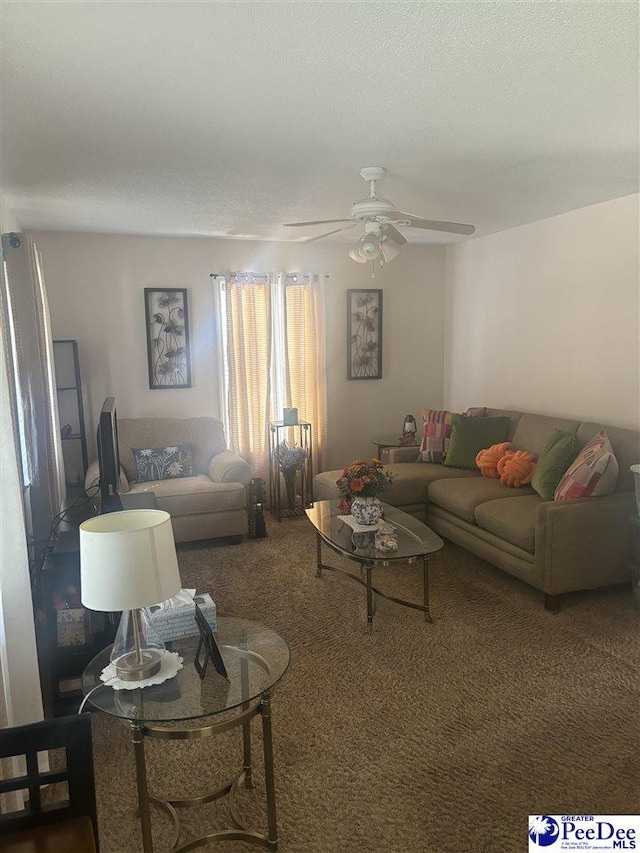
(512, 519)
(533, 432)
(553, 462)
(471, 435)
(410, 482)
(594, 471)
(194, 495)
(163, 463)
(461, 496)
(436, 432)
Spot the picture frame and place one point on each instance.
(208, 644)
(364, 334)
(168, 350)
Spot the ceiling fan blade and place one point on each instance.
(328, 233)
(430, 224)
(391, 231)
(316, 222)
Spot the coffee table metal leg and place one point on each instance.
(368, 568)
(270, 785)
(425, 588)
(318, 556)
(143, 791)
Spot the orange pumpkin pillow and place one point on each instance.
(487, 460)
(516, 468)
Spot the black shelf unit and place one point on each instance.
(69, 636)
(71, 414)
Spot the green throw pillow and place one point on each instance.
(562, 448)
(470, 435)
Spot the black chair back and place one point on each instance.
(73, 734)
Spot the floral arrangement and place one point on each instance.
(289, 457)
(363, 479)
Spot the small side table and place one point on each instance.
(290, 491)
(255, 658)
(388, 441)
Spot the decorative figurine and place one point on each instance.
(409, 431)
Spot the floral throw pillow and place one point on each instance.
(163, 463)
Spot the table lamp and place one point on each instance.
(128, 562)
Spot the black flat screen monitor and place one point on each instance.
(109, 457)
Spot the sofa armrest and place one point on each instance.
(92, 478)
(230, 467)
(583, 543)
(404, 454)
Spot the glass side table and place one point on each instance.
(255, 658)
(386, 441)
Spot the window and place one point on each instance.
(272, 336)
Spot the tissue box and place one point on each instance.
(177, 622)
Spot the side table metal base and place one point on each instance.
(240, 832)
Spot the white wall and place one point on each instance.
(545, 317)
(95, 285)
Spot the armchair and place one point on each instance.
(211, 503)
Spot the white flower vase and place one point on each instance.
(366, 510)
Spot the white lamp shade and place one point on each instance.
(128, 560)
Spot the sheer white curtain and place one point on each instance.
(20, 696)
(272, 333)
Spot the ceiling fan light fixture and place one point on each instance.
(353, 254)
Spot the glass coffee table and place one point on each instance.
(415, 542)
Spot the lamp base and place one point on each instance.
(138, 665)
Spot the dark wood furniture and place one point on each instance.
(47, 823)
(68, 634)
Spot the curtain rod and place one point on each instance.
(294, 276)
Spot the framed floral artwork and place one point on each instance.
(167, 338)
(364, 334)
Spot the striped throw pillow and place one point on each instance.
(436, 432)
(593, 472)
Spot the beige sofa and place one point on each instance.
(214, 502)
(556, 547)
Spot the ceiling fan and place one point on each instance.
(381, 239)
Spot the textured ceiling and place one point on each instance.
(231, 118)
